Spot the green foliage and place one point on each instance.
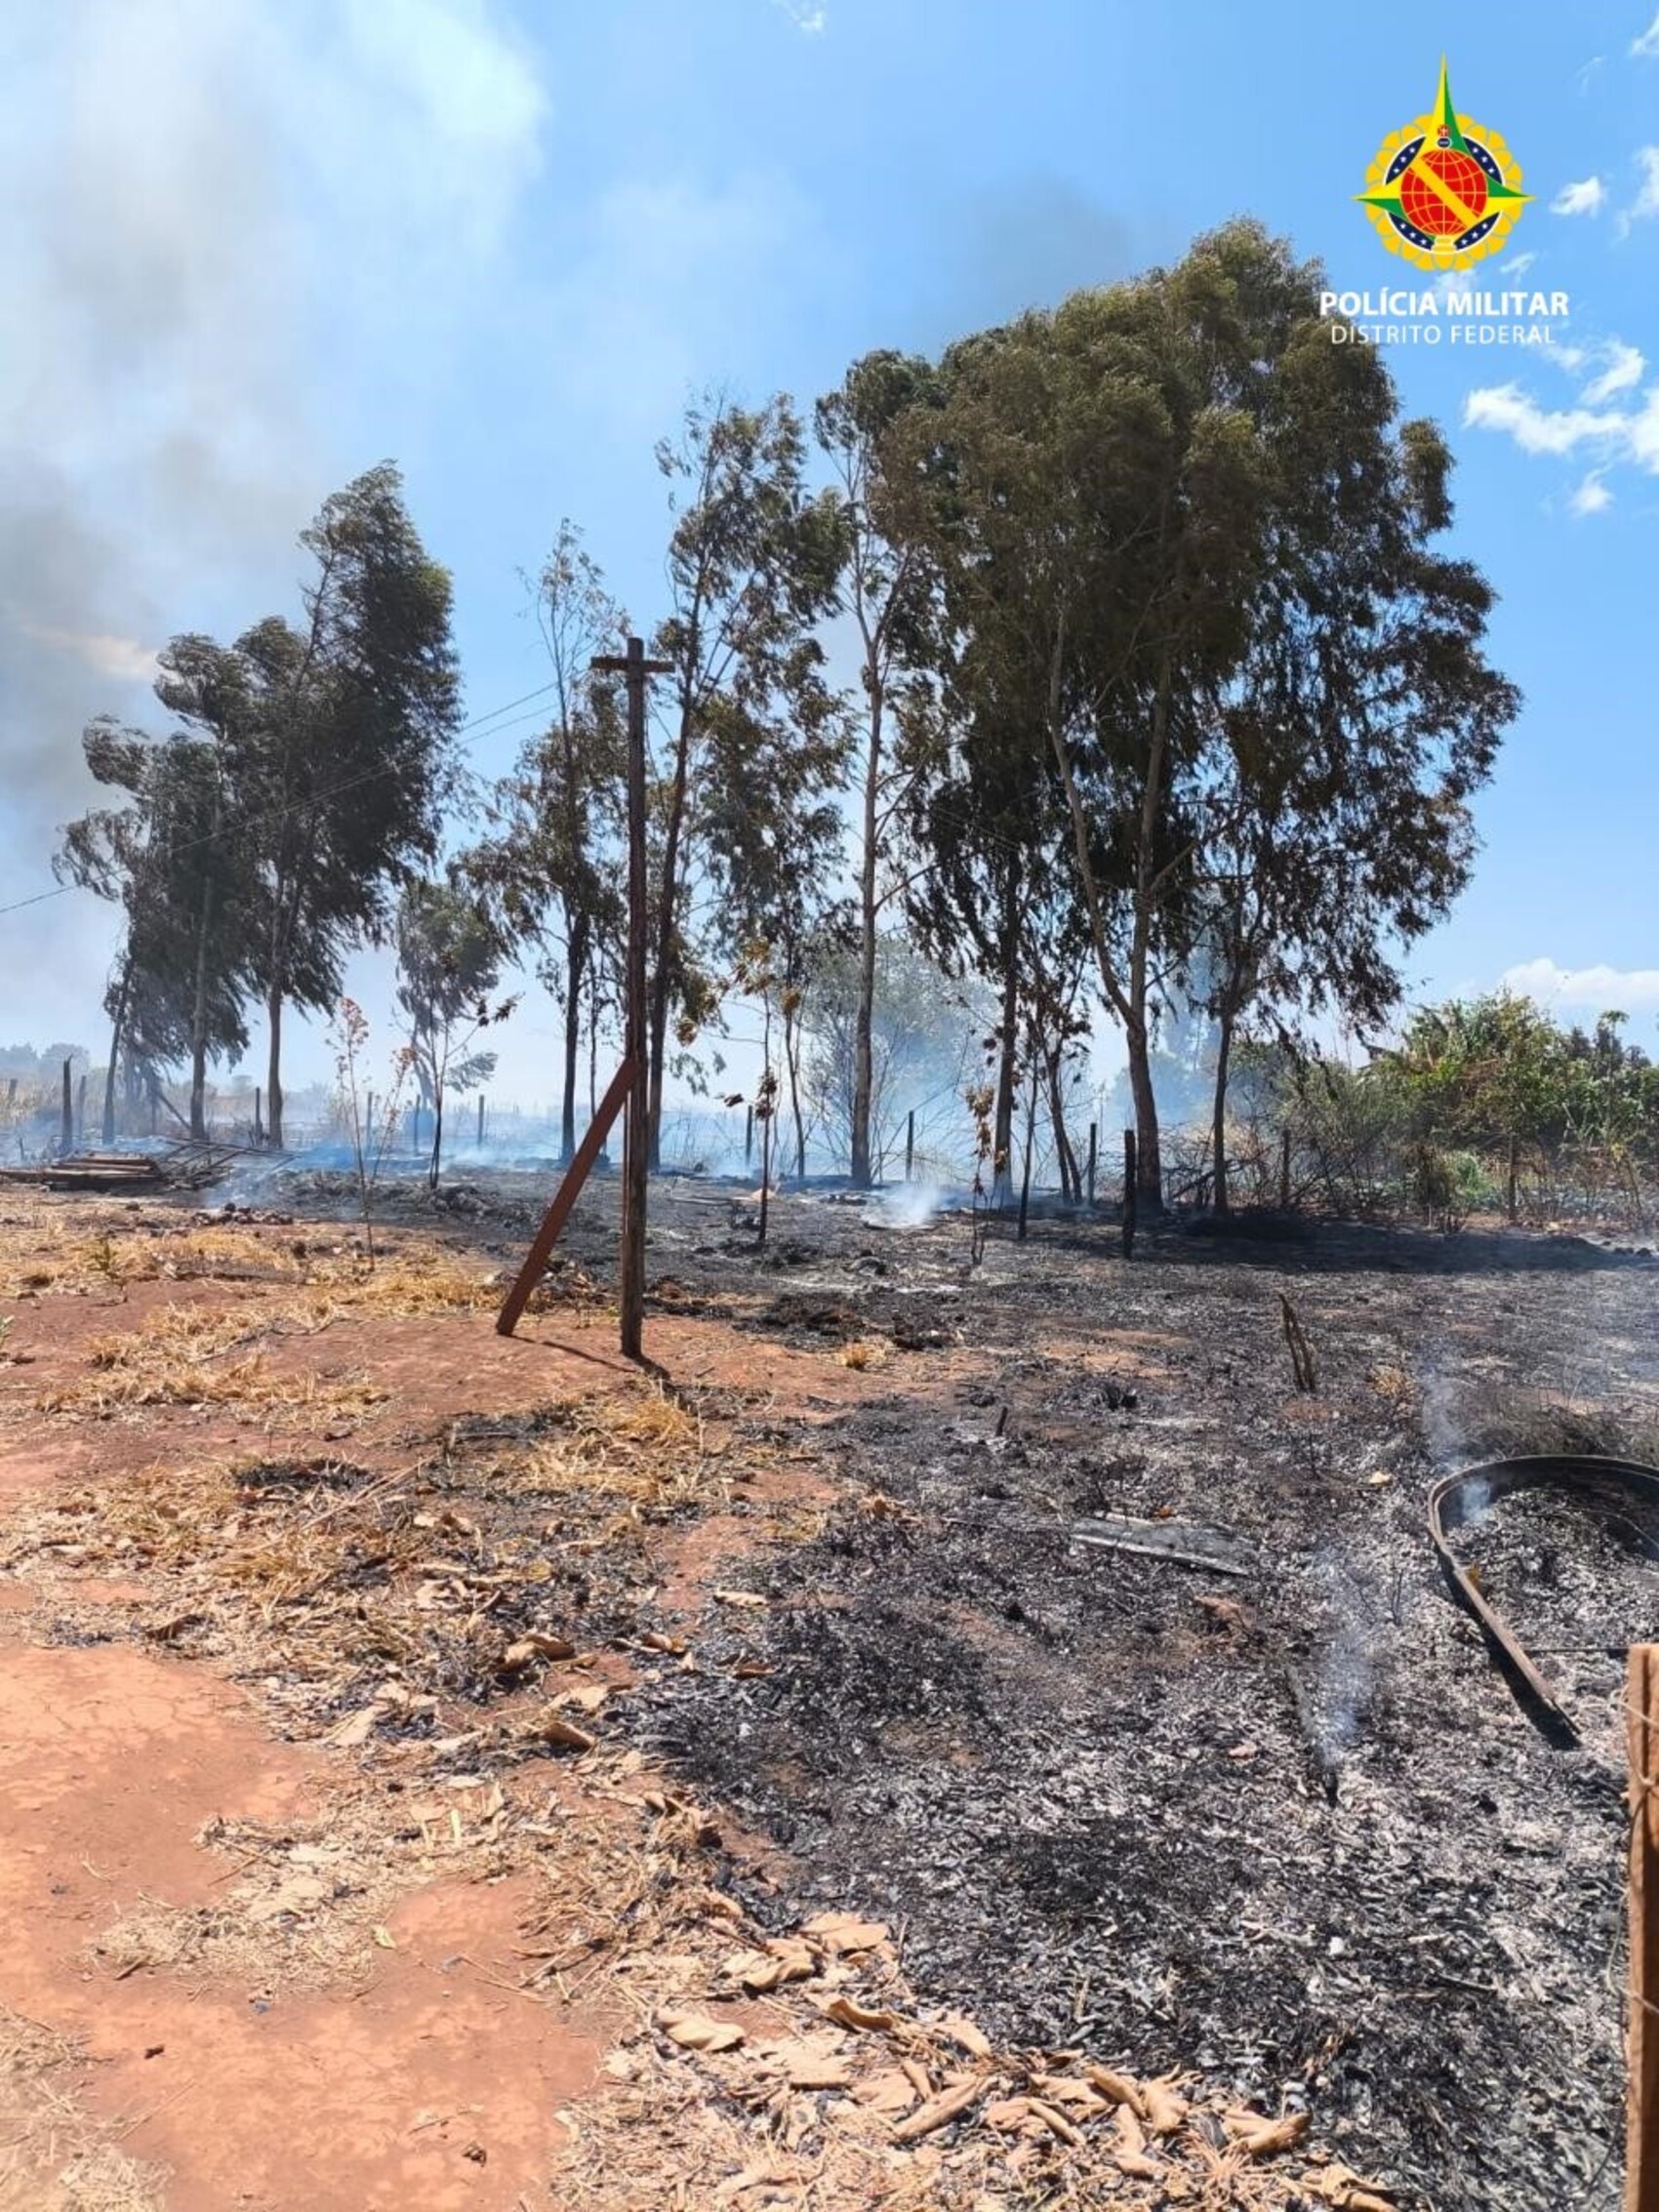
(448, 964)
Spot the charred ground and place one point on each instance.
(1287, 1826)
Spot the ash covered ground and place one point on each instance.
(1287, 1826)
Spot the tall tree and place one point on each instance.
(1124, 492)
(550, 870)
(1363, 717)
(448, 966)
(354, 717)
(174, 857)
(752, 565)
(883, 590)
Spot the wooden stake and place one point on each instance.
(564, 1199)
(630, 1262)
(1641, 2035)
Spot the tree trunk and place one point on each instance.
(668, 900)
(118, 1024)
(199, 1018)
(1149, 1161)
(863, 1052)
(1002, 1127)
(791, 1061)
(434, 1166)
(1066, 1159)
(1149, 1188)
(1218, 1125)
(273, 1069)
(572, 1048)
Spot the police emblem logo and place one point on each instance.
(1445, 190)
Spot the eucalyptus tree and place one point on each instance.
(1361, 721)
(1138, 500)
(349, 750)
(551, 867)
(175, 858)
(752, 566)
(884, 592)
(449, 961)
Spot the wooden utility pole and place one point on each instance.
(1641, 2031)
(630, 1263)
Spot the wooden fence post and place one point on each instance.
(1641, 2035)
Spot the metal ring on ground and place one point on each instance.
(1459, 1499)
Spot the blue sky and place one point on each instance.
(255, 245)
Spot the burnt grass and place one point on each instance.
(1288, 1829)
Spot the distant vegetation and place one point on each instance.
(1154, 690)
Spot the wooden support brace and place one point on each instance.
(564, 1199)
(1641, 2036)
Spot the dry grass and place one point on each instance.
(54, 2157)
(171, 1360)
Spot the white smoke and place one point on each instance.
(225, 225)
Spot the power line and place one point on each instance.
(490, 725)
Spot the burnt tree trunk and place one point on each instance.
(1218, 1119)
(864, 1073)
(117, 1026)
(1002, 1130)
(273, 1069)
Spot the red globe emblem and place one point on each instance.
(1431, 211)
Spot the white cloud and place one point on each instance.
(1621, 369)
(121, 659)
(1614, 421)
(1595, 989)
(1646, 47)
(1517, 265)
(1646, 202)
(1587, 197)
(812, 20)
